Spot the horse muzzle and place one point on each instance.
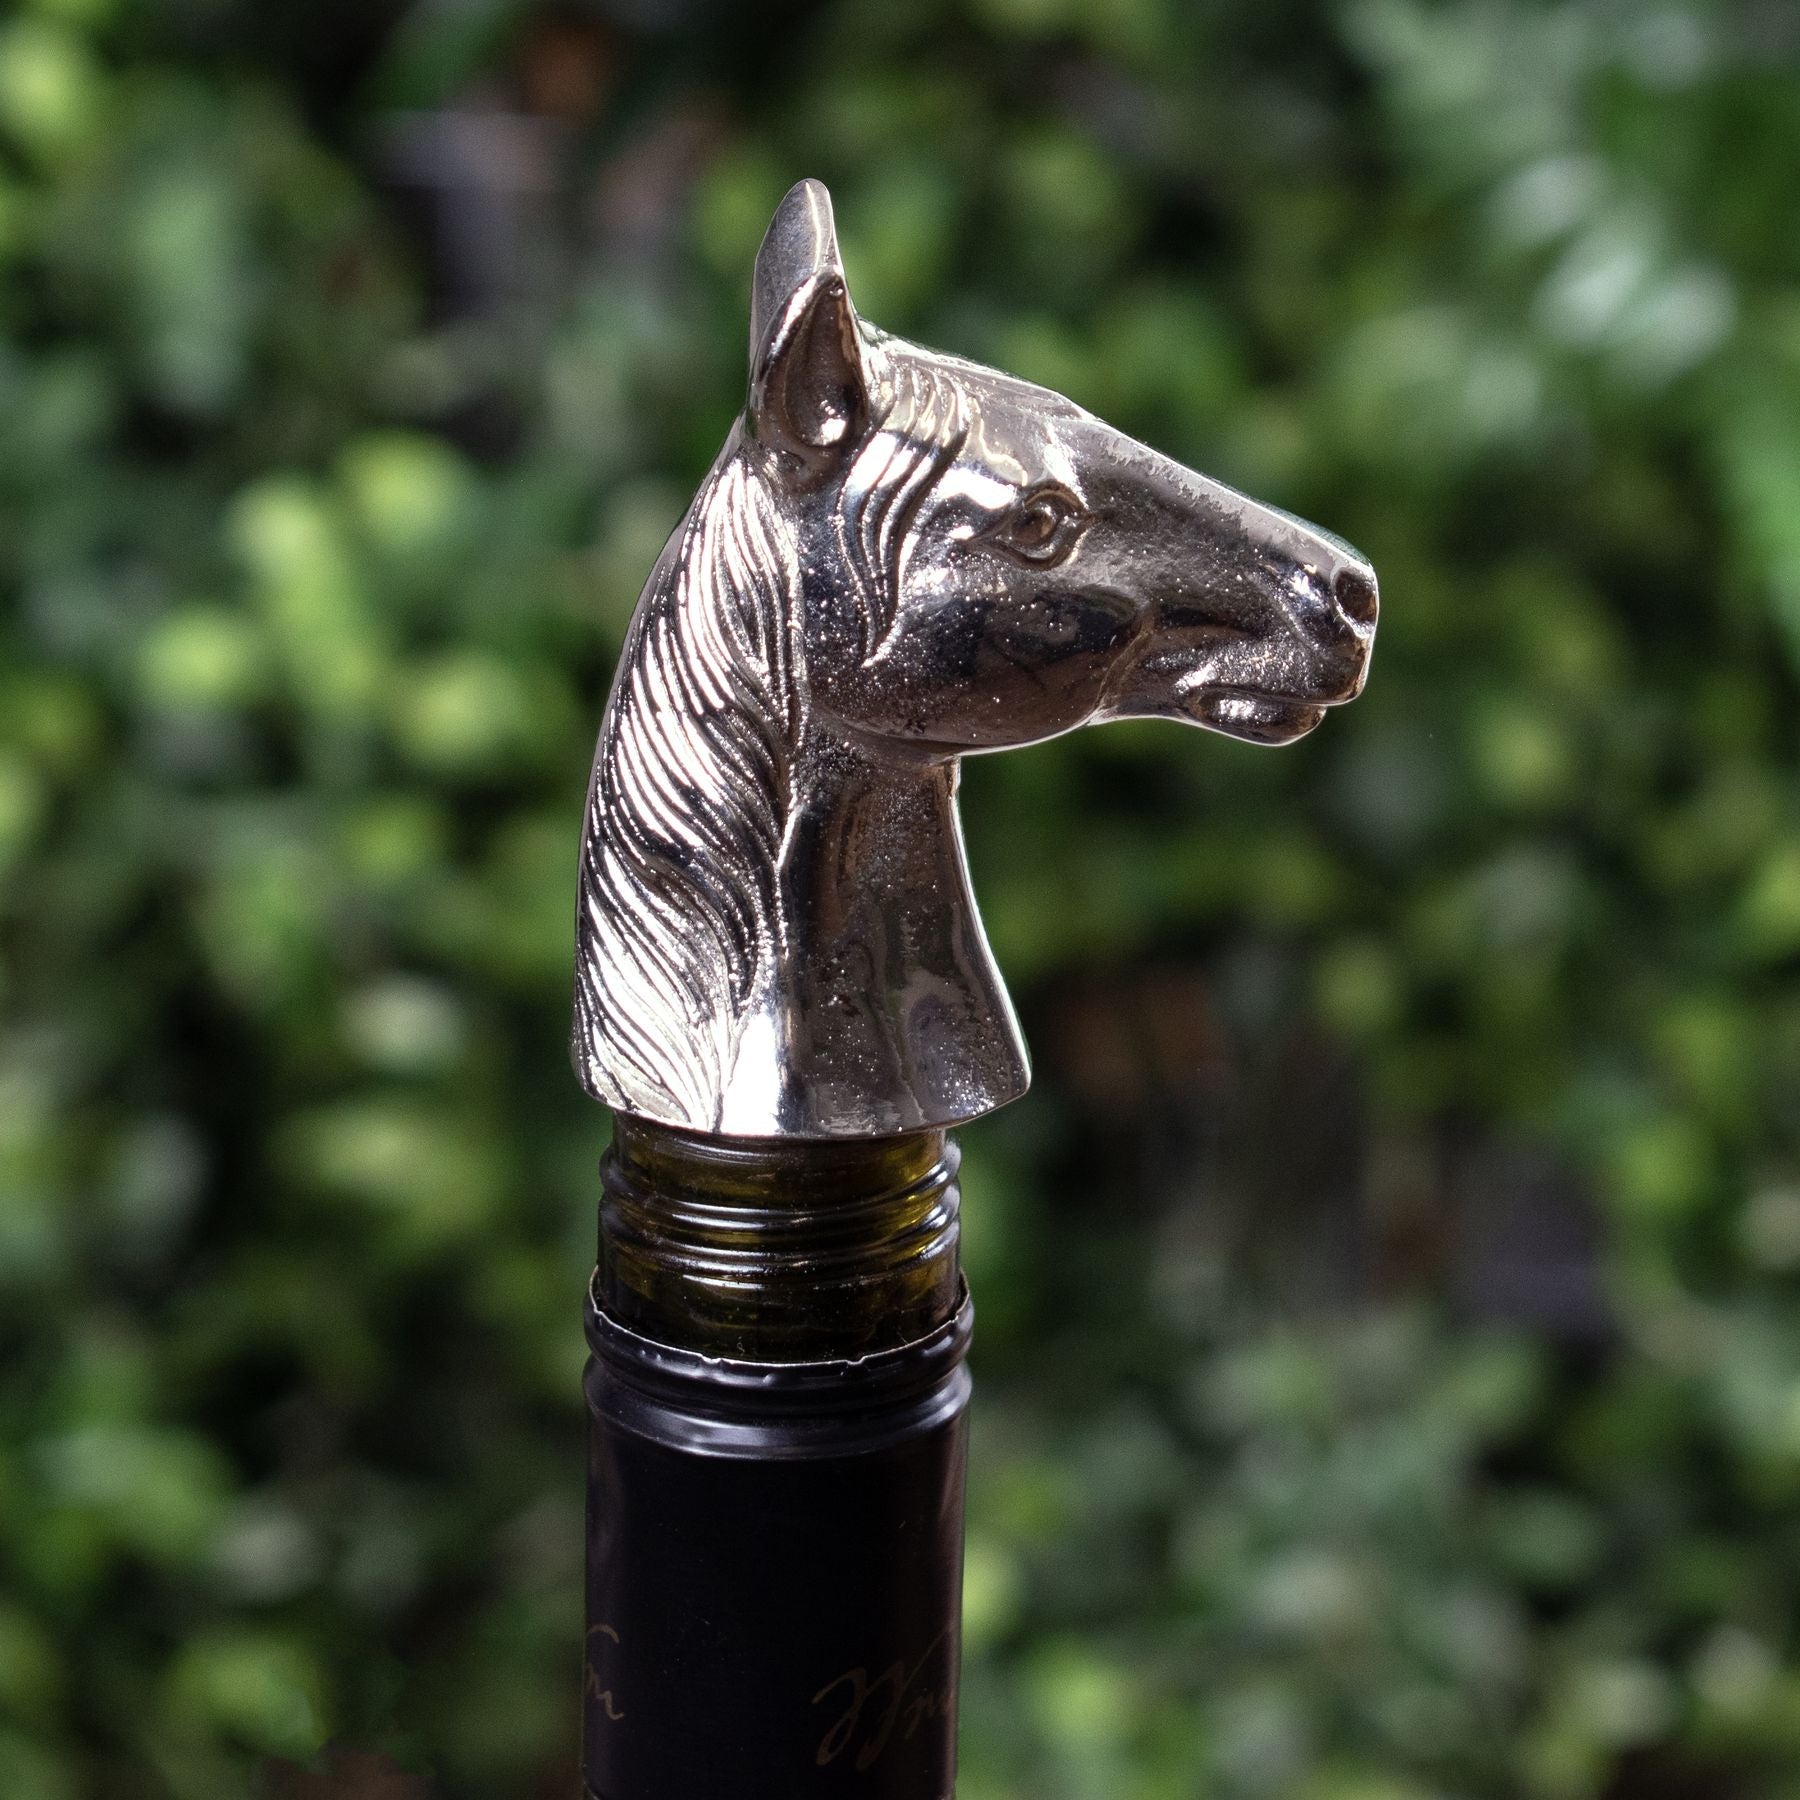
(1276, 689)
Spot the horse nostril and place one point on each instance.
(1356, 595)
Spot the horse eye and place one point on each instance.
(1044, 529)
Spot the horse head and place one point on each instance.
(899, 557)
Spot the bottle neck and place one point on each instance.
(769, 1250)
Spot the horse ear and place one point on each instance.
(809, 395)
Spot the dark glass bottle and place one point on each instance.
(777, 1393)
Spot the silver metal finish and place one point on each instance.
(898, 558)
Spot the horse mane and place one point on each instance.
(679, 910)
(687, 807)
(923, 432)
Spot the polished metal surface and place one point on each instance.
(898, 558)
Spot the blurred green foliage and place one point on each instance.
(316, 552)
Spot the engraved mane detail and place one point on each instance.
(687, 808)
(923, 433)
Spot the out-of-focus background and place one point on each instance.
(1389, 1359)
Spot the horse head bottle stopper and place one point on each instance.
(899, 558)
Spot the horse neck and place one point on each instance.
(892, 1012)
